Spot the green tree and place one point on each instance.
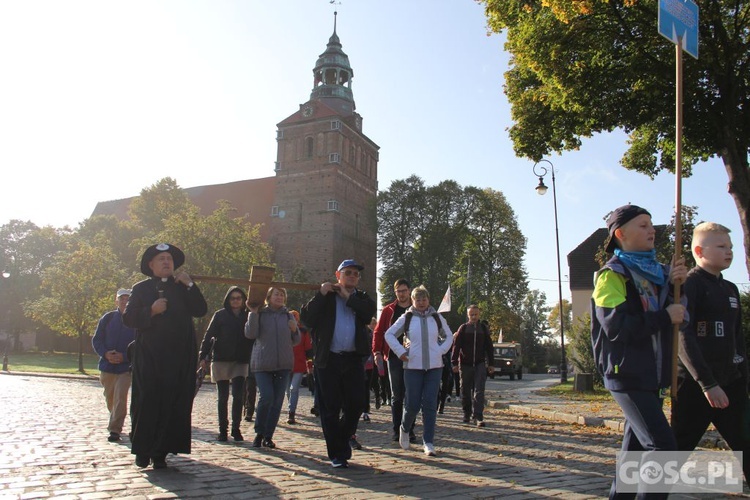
(157, 203)
(534, 327)
(428, 235)
(579, 67)
(26, 250)
(579, 350)
(78, 289)
(495, 245)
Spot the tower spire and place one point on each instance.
(333, 74)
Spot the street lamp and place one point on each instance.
(6, 275)
(541, 171)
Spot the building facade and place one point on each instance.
(319, 208)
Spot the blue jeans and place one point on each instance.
(292, 392)
(422, 393)
(396, 375)
(271, 388)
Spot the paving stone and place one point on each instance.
(515, 456)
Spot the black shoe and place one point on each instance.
(222, 436)
(142, 461)
(314, 411)
(412, 437)
(258, 441)
(248, 418)
(291, 420)
(466, 419)
(159, 462)
(377, 404)
(354, 443)
(394, 438)
(113, 437)
(268, 443)
(237, 435)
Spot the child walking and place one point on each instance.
(712, 367)
(631, 329)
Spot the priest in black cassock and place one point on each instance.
(164, 356)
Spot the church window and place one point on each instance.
(335, 125)
(275, 211)
(279, 134)
(276, 166)
(309, 147)
(333, 206)
(334, 158)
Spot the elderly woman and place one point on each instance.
(427, 338)
(276, 333)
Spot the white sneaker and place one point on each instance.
(403, 438)
(429, 450)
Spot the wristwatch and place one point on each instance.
(190, 285)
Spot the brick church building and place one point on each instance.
(319, 207)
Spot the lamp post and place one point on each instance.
(541, 171)
(6, 275)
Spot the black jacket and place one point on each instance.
(713, 337)
(225, 337)
(320, 317)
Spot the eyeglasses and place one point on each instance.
(236, 297)
(402, 290)
(351, 272)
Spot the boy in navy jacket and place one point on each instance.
(631, 329)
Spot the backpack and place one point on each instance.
(435, 316)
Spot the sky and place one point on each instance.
(99, 100)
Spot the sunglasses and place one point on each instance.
(351, 272)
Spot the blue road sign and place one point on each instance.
(679, 19)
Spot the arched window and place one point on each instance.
(309, 147)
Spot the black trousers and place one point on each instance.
(238, 386)
(339, 392)
(692, 413)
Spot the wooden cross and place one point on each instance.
(261, 279)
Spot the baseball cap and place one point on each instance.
(621, 216)
(124, 291)
(350, 263)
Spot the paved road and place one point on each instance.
(53, 443)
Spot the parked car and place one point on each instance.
(508, 359)
(553, 369)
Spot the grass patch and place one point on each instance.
(55, 362)
(566, 391)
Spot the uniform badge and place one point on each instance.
(733, 302)
(700, 329)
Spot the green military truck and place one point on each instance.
(508, 359)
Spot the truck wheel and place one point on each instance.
(512, 376)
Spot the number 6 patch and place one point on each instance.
(719, 328)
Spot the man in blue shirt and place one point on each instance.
(337, 317)
(111, 344)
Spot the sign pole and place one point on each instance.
(677, 204)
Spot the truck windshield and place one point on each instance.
(505, 352)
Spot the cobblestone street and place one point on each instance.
(53, 435)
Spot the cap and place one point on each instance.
(123, 291)
(621, 216)
(177, 256)
(350, 263)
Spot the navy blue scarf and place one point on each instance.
(645, 264)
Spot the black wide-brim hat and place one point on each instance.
(177, 256)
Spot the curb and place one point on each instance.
(569, 418)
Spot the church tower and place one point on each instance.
(326, 180)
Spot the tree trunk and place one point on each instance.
(80, 353)
(739, 188)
